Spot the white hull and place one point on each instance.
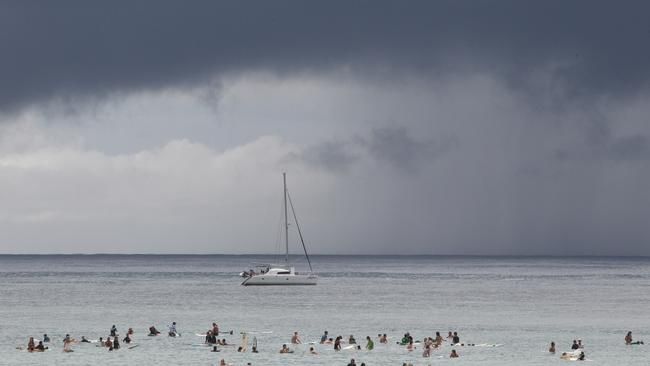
(281, 280)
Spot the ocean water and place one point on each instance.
(522, 304)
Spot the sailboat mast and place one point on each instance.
(286, 220)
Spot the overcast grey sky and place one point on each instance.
(436, 127)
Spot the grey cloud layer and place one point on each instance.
(72, 49)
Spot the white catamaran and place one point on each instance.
(285, 273)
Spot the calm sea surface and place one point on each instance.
(520, 303)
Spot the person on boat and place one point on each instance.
(552, 348)
(84, 339)
(323, 338)
(30, 344)
(453, 354)
(46, 339)
(352, 363)
(312, 351)
(127, 339)
(295, 339)
(455, 339)
(369, 344)
(153, 331)
(383, 338)
(575, 346)
(116, 343)
(215, 329)
(40, 347)
(351, 340)
(113, 331)
(172, 330)
(337, 343)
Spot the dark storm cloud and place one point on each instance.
(79, 49)
(396, 146)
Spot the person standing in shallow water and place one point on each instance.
(295, 339)
(337, 343)
(370, 344)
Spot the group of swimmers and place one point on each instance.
(429, 343)
(577, 353)
(111, 342)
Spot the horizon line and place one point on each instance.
(333, 255)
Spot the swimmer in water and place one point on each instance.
(581, 357)
(40, 347)
(172, 330)
(552, 348)
(223, 363)
(438, 341)
(295, 339)
(324, 337)
(130, 331)
(337, 343)
(449, 335)
(215, 349)
(116, 343)
(284, 349)
(410, 346)
(67, 341)
(153, 331)
(575, 346)
(351, 340)
(113, 331)
(46, 339)
(352, 363)
(127, 339)
(312, 351)
(30, 344)
(369, 344)
(383, 338)
(215, 329)
(453, 354)
(455, 339)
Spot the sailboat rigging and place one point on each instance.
(283, 274)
